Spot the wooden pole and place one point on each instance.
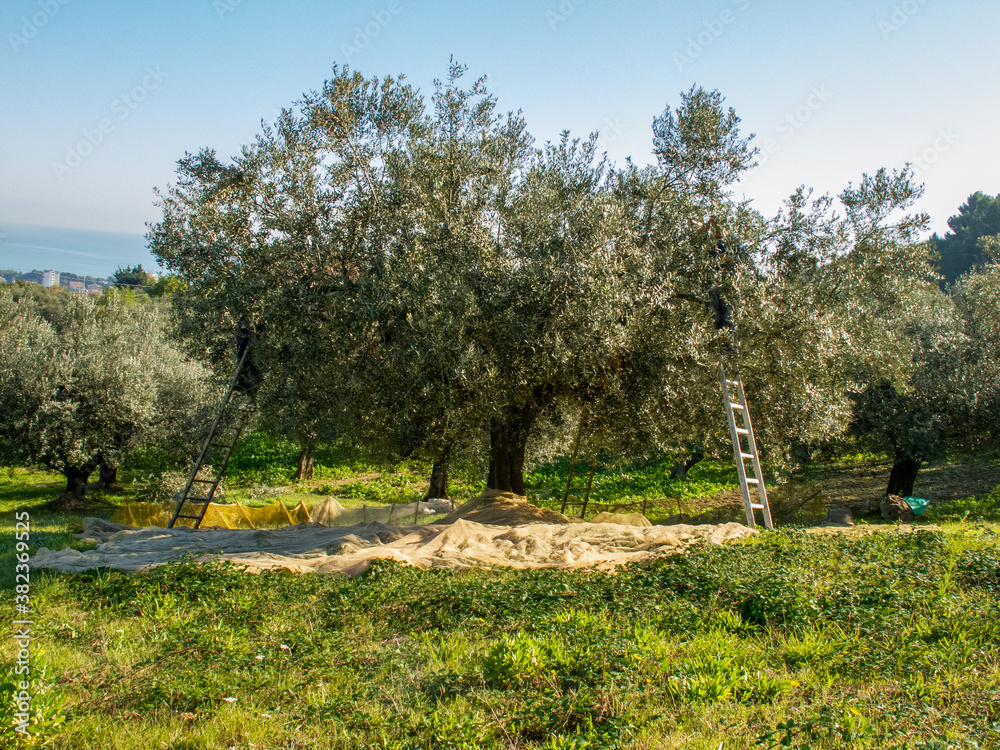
(572, 461)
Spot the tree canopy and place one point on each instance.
(427, 279)
(960, 250)
(97, 385)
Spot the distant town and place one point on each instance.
(73, 282)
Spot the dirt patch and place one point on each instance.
(861, 486)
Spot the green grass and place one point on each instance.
(788, 640)
(629, 486)
(31, 490)
(972, 508)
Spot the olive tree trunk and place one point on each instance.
(306, 458)
(108, 473)
(903, 475)
(508, 437)
(75, 495)
(439, 482)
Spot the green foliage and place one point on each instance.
(499, 283)
(47, 706)
(959, 250)
(101, 383)
(950, 397)
(985, 508)
(131, 277)
(385, 489)
(260, 458)
(633, 482)
(165, 286)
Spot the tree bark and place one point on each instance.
(903, 475)
(75, 495)
(306, 458)
(680, 470)
(439, 482)
(108, 474)
(508, 437)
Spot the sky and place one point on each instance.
(98, 100)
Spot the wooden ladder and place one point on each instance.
(585, 414)
(234, 412)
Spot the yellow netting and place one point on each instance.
(228, 516)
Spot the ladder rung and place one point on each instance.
(757, 506)
(224, 446)
(197, 500)
(752, 481)
(737, 406)
(742, 431)
(747, 455)
(193, 518)
(732, 382)
(203, 481)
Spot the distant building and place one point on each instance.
(76, 286)
(50, 278)
(152, 277)
(3, 280)
(93, 289)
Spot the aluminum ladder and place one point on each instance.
(736, 402)
(234, 412)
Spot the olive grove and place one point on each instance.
(104, 380)
(426, 279)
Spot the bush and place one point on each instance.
(978, 509)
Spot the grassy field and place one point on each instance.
(868, 639)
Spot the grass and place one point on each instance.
(791, 639)
(632, 485)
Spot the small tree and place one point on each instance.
(131, 277)
(950, 397)
(103, 383)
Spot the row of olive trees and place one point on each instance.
(426, 279)
(90, 380)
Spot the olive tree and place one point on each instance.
(950, 398)
(426, 280)
(102, 383)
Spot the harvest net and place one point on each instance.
(496, 530)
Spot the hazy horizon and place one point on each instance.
(85, 252)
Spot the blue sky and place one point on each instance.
(98, 101)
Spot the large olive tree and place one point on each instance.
(424, 279)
